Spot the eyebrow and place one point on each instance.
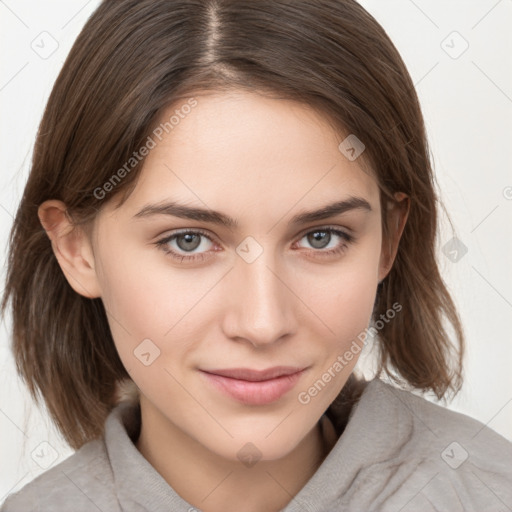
(176, 209)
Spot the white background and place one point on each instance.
(467, 104)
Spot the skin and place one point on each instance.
(260, 161)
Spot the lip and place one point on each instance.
(254, 387)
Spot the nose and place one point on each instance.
(261, 304)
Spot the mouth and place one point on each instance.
(254, 387)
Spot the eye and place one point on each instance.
(186, 241)
(321, 238)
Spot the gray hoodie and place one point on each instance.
(398, 453)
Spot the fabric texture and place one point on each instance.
(398, 453)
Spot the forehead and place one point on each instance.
(246, 151)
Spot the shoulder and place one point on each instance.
(441, 458)
(446, 425)
(82, 482)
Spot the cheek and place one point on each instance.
(135, 290)
(134, 296)
(150, 310)
(345, 299)
(344, 305)
(346, 314)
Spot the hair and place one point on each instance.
(134, 59)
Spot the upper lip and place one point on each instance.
(255, 375)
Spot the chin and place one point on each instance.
(249, 449)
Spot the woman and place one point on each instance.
(227, 201)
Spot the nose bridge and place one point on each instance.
(262, 309)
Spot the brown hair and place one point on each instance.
(135, 58)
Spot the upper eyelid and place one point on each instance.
(326, 227)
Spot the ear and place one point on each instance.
(71, 247)
(398, 212)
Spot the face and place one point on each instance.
(185, 296)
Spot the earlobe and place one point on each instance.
(398, 213)
(71, 247)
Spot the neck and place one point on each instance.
(212, 483)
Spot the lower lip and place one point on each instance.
(254, 393)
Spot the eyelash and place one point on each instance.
(162, 244)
